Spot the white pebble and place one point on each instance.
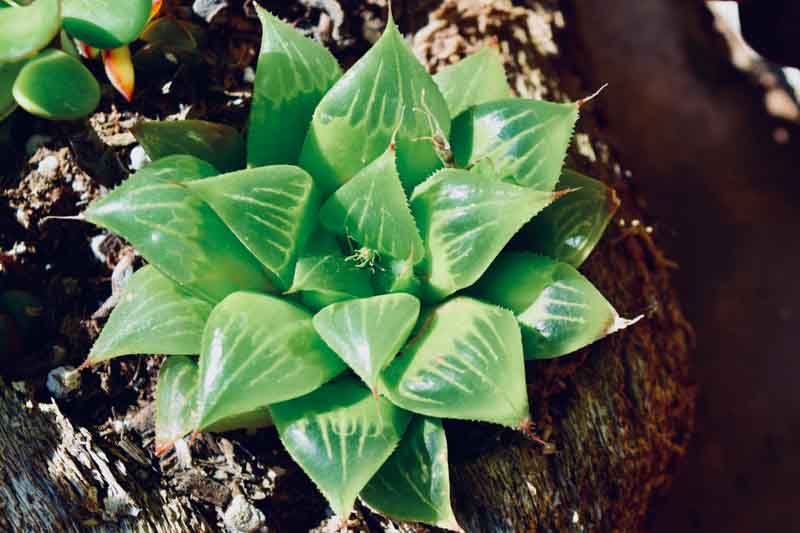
(62, 381)
(139, 158)
(242, 517)
(249, 75)
(48, 164)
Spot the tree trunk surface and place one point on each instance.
(54, 477)
(619, 413)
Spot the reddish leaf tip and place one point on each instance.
(583, 101)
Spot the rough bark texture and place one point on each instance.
(54, 477)
(619, 413)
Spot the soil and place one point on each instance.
(52, 169)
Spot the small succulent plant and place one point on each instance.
(348, 277)
(53, 82)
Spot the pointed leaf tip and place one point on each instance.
(520, 138)
(585, 100)
(465, 363)
(153, 316)
(619, 323)
(569, 229)
(340, 436)
(119, 69)
(271, 209)
(292, 75)
(372, 210)
(466, 219)
(356, 119)
(368, 332)
(558, 309)
(414, 483)
(244, 366)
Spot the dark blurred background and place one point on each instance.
(710, 130)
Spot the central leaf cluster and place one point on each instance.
(354, 284)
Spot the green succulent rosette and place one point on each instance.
(348, 278)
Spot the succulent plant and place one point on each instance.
(53, 83)
(348, 277)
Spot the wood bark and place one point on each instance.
(619, 413)
(55, 477)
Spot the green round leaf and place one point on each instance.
(368, 332)
(519, 138)
(56, 86)
(258, 350)
(466, 362)
(340, 435)
(218, 144)
(569, 229)
(292, 75)
(8, 74)
(105, 23)
(414, 484)
(559, 310)
(356, 120)
(26, 30)
(154, 315)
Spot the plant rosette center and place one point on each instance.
(344, 272)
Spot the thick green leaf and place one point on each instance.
(321, 280)
(414, 484)
(67, 44)
(154, 315)
(523, 139)
(466, 220)
(372, 210)
(558, 309)
(177, 232)
(8, 73)
(367, 333)
(171, 34)
(466, 362)
(385, 90)
(220, 145)
(105, 23)
(476, 79)
(176, 396)
(293, 73)
(340, 435)
(176, 405)
(568, 230)
(26, 30)
(271, 209)
(258, 350)
(56, 86)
